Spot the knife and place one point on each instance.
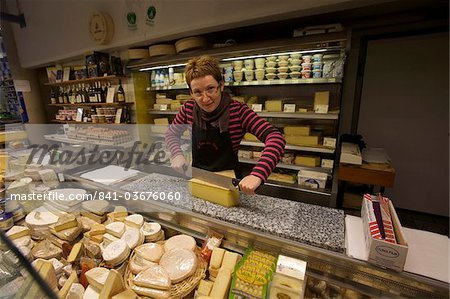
(215, 179)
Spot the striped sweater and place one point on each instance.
(242, 120)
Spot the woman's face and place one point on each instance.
(207, 92)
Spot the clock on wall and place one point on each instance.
(101, 28)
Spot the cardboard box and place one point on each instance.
(382, 253)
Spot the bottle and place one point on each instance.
(120, 93)
(66, 96)
(91, 94)
(171, 78)
(152, 79)
(52, 96)
(61, 96)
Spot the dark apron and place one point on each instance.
(213, 151)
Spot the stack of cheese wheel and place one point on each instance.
(152, 232)
(163, 49)
(158, 268)
(38, 221)
(190, 43)
(95, 210)
(137, 53)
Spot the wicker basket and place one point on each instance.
(181, 289)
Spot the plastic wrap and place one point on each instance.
(139, 264)
(150, 251)
(212, 241)
(180, 241)
(152, 293)
(155, 276)
(179, 263)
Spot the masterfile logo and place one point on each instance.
(387, 251)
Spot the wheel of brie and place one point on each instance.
(180, 241)
(116, 252)
(180, 263)
(150, 251)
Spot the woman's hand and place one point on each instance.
(249, 184)
(178, 163)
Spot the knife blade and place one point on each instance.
(215, 179)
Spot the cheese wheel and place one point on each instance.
(151, 229)
(180, 241)
(98, 207)
(40, 217)
(116, 252)
(138, 264)
(150, 251)
(132, 236)
(138, 53)
(180, 263)
(135, 220)
(155, 277)
(163, 49)
(116, 229)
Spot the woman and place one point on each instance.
(218, 126)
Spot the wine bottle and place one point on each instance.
(52, 96)
(91, 94)
(120, 93)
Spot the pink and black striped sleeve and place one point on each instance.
(177, 128)
(269, 135)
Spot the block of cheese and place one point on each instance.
(57, 265)
(217, 257)
(91, 293)
(180, 263)
(150, 251)
(108, 239)
(46, 250)
(97, 229)
(97, 277)
(96, 218)
(274, 106)
(284, 281)
(117, 214)
(98, 207)
(152, 293)
(309, 161)
(116, 252)
(65, 222)
(297, 130)
(128, 294)
(150, 229)
(213, 193)
(73, 278)
(116, 229)
(133, 237)
(75, 253)
(86, 223)
(135, 220)
(180, 241)
(250, 137)
(113, 285)
(164, 101)
(69, 234)
(281, 177)
(205, 287)
(222, 284)
(138, 264)
(161, 121)
(17, 232)
(76, 291)
(48, 273)
(155, 277)
(302, 140)
(230, 259)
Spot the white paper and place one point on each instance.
(289, 108)
(110, 174)
(428, 253)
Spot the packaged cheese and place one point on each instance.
(150, 251)
(310, 161)
(274, 106)
(155, 277)
(179, 263)
(302, 140)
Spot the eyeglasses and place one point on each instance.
(210, 91)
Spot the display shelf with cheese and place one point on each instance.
(314, 149)
(290, 166)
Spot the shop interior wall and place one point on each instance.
(58, 30)
(405, 109)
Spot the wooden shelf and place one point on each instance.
(91, 104)
(314, 149)
(87, 123)
(290, 166)
(87, 80)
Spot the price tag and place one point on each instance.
(257, 107)
(326, 163)
(110, 95)
(163, 107)
(289, 108)
(330, 142)
(321, 109)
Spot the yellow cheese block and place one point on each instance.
(159, 129)
(65, 222)
(302, 140)
(205, 287)
(113, 285)
(161, 121)
(230, 259)
(66, 287)
(274, 106)
(221, 284)
(250, 137)
(307, 161)
(175, 106)
(213, 193)
(75, 253)
(217, 257)
(17, 232)
(128, 294)
(280, 177)
(297, 130)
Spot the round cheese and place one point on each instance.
(132, 236)
(155, 277)
(180, 263)
(151, 229)
(180, 241)
(139, 264)
(116, 252)
(150, 251)
(40, 217)
(116, 229)
(98, 207)
(135, 220)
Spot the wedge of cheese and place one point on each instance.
(97, 229)
(128, 294)
(76, 291)
(116, 252)
(150, 251)
(116, 229)
(133, 237)
(113, 285)
(96, 218)
(217, 257)
(135, 220)
(214, 193)
(75, 253)
(230, 259)
(97, 277)
(155, 277)
(91, 293)
(138, 264)
(108, 239)
(65, 222)
(205, 287)
(152, 293)
(17, 232)
(73, 278)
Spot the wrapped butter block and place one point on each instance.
(213, 193)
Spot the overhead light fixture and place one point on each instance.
(275, 54)
(161, 67)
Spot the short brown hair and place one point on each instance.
(202, 66)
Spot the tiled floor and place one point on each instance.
(418, 220)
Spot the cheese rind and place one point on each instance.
(116, 229)
(17, 232)
(180, 241)
(155, 277)
(230, 259)
(180, 263)
(97, 277)
(217, 257)
(113, 285)
(221, 284)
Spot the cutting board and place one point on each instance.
(110, 174)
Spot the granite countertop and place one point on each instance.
(310, 224)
